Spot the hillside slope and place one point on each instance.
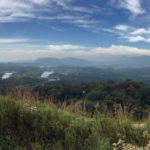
(43, 126)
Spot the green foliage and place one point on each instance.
(42, 126)
(130, 95)
(24, 123)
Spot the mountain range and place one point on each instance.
(123, 62)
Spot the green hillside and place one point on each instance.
(42, 126)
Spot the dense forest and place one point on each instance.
(128, 97)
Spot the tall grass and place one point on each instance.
(35, 125)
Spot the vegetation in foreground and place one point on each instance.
(42, 126)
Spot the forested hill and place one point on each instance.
(130, 98)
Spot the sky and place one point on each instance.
(88, 29)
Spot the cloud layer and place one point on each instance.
(68, 50)
(13, 40)
(49, 10)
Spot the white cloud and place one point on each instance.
(7, 75)
(140, 31)
(121, 27)
(68, 50)
(46, 74)
(18, 10)
(66, 11)
(138, 39)
(65, 47)
(13, 40)
(139, 35)
(121, 50)
(132, 34)
(134, 6)
(14, 10)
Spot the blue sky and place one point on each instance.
(89, 29)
